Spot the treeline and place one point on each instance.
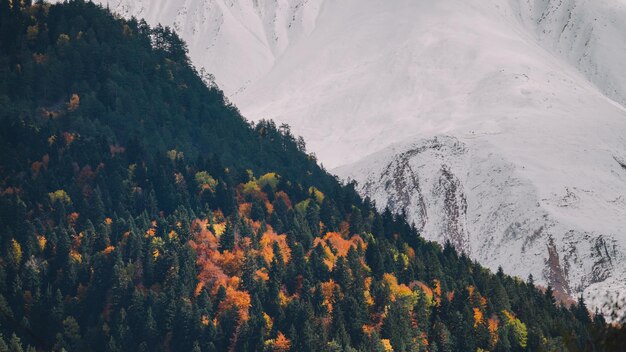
(140, 212)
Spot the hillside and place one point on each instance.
(527, 97)
(139, 211)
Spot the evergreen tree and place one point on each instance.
(227, 239)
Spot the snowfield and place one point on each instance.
(497, 124)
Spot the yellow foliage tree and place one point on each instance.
(270, 179)
(60, 196)
(251, 188)
(387, 345)
(301, 207)
(317, 194)
(399, 290)
(519, 329)
(205, 181)
(16, 252)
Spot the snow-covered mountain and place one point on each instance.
(497, 124)
(238, 41)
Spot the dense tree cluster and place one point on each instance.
(140, 212)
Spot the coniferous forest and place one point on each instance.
(140, 212)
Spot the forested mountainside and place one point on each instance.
(140, 212)
(495, 124)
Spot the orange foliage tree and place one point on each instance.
(281, 343)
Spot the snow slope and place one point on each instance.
(262, 44)
(237, 41)
(497, 124)
(589, 34)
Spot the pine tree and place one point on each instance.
(3, 345)
(313, 217)
(15, 344)
(581, 312)
(397, 327)
(227, 240)
(150, 329)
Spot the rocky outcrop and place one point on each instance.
(464, 192)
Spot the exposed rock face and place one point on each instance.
(555, 274)
(465, 192)
(406, 187)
